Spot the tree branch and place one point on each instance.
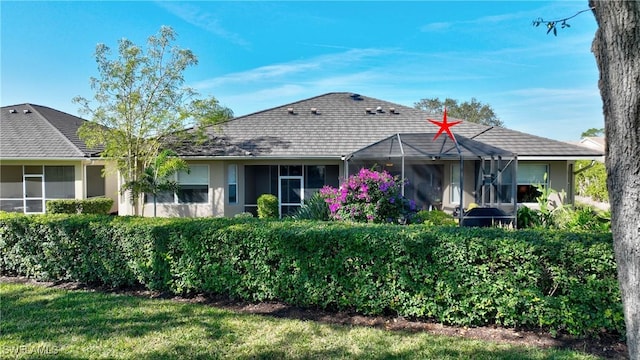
(552, 24)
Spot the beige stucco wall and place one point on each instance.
(215, 206)
(218, 205)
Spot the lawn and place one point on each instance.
(39, 322)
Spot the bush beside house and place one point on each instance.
(268, 206)
(79, 206)
(530, 278)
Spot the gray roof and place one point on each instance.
(421, 145)
(343, 123)
(37, 132)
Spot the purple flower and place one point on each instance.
(384, 186)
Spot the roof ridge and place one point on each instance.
(35, 110)
(269, 109)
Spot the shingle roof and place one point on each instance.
(343, 123)
(38, 132)
(421, 145)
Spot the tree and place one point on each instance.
(472, 111)
(157, 177)
(593, 132)
(140, 99)
(616, 47)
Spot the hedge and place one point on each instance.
(79, 206)
(558, 281)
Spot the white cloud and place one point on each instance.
(202, 19)
(288, 72)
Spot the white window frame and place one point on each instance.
(232, 180)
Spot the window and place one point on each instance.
(11, 182)
(11, 189)
(317, 176)
(258, 180)
(194, 185)
(530, 176)
(232, 180)
(95, 181)
(455, 184)
(290, 170)
(59, 182)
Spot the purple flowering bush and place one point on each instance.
(369, 196)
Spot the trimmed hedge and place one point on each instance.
(553, 280)
(79, 206)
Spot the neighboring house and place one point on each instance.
(293, 150)
(42, 158)
(595, 143)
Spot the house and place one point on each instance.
(596, 143)
(295, 149)
(292, 151)
(42, 158)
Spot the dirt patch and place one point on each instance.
(605, 345)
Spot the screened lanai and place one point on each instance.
(442, 175)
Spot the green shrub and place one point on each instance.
(548, 279)
(434, 218)
(528, 218)
(96, 205)
(67, 206)
(268, 206)
(315, 208)
(79, 206)
(592, 182)
(582, 219)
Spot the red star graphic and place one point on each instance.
(444, 126)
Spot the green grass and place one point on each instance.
(40, 322)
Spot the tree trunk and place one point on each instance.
(617, 51)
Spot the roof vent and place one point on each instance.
(26, 111)
(290, 111)
(368, 111)
(393, 110)
(355, 96)
(315, 111)
(12, 111)
(379, 109)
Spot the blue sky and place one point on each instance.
(258, 55)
